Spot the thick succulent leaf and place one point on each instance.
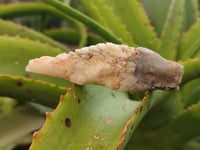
(157, 12)
(191, 13)
(72, 36)
(189, 43)
(90, 117)
(106, 34)
(30, 8)
(190, 97)
(172, 29)
(194, 144)
(12, 29)
(191, 70)
(131, 14)
(138, 141)
(166, 104)
(15, 54)
(178, 129)
(30, 90)
(109, 17)
(18, 124)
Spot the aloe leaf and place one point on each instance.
(105, 119)
(30, 90)
(72, 36)
(190, 97)
(133, 17)
(86, 20)
(12, 29)
(92, 10)
(191, 13)
(191, 70)
(172, 29)
(15, 54)
(189, 43)
(157, 12)
(178, 129)
(24, 9)
(138, 141)
(113, 23)
(164, 103)
(18, 124)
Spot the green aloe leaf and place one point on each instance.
(31, 8)
(172, 29)
(105, 119)
(133, 17)
(17, 125)
(30, 90)
(191, 14)
(72, 36)
(157, 13)
(189, 43)
(190, 97)
(113, 23)
(106, 34)
(191, 70)
(12, 29)
(178, 129)
(15, 54)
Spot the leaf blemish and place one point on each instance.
(113, 95)
(96, 136)
(141, 109)
(132, 126)
(67, 122)
(79, 101)
(20, 84)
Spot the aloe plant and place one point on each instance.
(93, 117)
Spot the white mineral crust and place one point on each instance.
(118, 67)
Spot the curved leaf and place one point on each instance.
(113, 23)
(133, 17)
(12, 29)
(90, 117)
(157, 12)
(172, 29)
(17, 124)
(30, 90)
(191, 70)
(86, 20)
(179, 129)
(72, 36)
(189, 43)
(15, 54)
(24, 9)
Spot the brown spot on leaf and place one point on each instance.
(132, 126)
(40, 141)
(28, 91)
(79, 101)
(20, 84)
(67, 122)
(27, 75)
(96, 136)
(121, 107)
(113, 95)
(141, 109)
(107, 121)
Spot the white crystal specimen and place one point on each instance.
(118, 67)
